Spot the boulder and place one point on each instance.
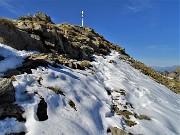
(7, 91)
(42, 17)
(7, 98)
(9, 36)
(11, 110)
(18, 39)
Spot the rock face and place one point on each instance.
(7, 92)
(39, 33)
(174, 74)
(7, 98)
(16, 38)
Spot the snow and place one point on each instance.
(13, 58)
(146, 96)
(88, 90)
(10, 125)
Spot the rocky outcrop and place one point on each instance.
(16, 38)
(39, 33)
(7, 92)
(7, 98)
(37, 17)
(11, 110)
(173, 75)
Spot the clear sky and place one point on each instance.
(147, 29)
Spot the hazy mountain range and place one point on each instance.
(166, 68)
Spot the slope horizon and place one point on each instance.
(147, 30)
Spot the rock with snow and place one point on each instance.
(7, 99)
(8, 110)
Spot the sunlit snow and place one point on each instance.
(13, 58)
(88, 90)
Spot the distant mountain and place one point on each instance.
(175, 74)
(168, 68)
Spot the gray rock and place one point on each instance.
(11, 110)
(7, 98)
(18, 39)
(7, 92)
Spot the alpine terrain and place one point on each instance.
(64, 79)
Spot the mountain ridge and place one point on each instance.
(76, 82)
(74, 43)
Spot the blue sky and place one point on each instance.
(147, 29)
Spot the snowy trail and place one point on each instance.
(146, 96)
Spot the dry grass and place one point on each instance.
(56, 90)
(127, 114)
(4, 22)
(130, 123)
(141, 117)
(124, 113)
(85, 63)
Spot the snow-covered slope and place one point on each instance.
(13, 58)
(85, 103)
